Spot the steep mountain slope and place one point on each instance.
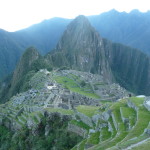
(70, 109)
(81, 48)
(30, 62)
(127, 28)
(130, 67)
(63, 113)
(43, 36)
(10, 52)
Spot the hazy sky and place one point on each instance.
(18, 14)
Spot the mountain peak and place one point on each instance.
(79, 23)
(82, 48)
(81, 18)
(135, 11)
(29, 56)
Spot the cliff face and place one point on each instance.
(130, 67)
(10, 52)
(81, 48)
(23, 67)
(30, 55)
(131, 29)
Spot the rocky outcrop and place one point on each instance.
(76, 129)
(87, 120)
(130, 67)
(147, 103)
(81, 48)
(24, 66)
(132, 105)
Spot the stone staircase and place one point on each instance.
(126, 128)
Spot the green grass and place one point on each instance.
(122, 138)
(74, 77)
(105, 134)
(88, 110)
(94, 138)
(114, 132)
(82, 144)
(35, 119)
(134, 141)
(34, 114)
(144, 146)
(22, 124)
(80, 124)
(40, 115)
(121, 133)
(142, 123)
(74, 86)
(60, 110)
(137, 101)
(21, 118)
(129, 113)
(12, 116)
(38, 80)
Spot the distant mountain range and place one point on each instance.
(82, 48)
(70, 99)
(131, 29)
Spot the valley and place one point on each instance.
(88, 93)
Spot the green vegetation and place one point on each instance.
(105, 134)
(80, 124)
(114, 132)
(125, 144)
(88, 110)
(5, 138)
(137, 101)
(38, 80)
(60, 110)
(23, 139)
(136, 132)
(105, 138)
(142, 122)
(129, 113)
(144, 146)
(76, 86)
(82, 144)
(94, 138)
(75, 148)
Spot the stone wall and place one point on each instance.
(125, 120)
(147, 103)
(132, 105)
(79, 131)
(114, 121)
(87, 120)
(110, 127)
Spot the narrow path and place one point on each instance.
(137, 144)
